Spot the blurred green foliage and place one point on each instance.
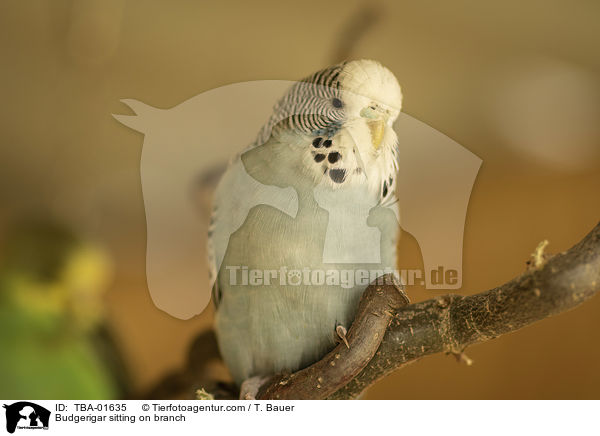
(51, 309)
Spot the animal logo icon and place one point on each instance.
(26, 415)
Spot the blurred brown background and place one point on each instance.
(517, 83)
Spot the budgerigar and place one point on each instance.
(315, 194)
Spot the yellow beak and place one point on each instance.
(377, 128)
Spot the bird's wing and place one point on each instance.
(237, 193)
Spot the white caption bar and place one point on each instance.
(298, 417)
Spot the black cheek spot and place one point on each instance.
(337, 175)
(333, 157)
(327, 143)
(385, 189)
(319, 157)
(317, 142)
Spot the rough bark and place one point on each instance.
(378, 305)
(451, 323)
(445, 324)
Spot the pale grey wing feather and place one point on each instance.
(236, 194)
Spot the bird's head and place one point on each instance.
(371, 97)
(340, 119)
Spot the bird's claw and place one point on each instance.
(250, 387)
(341, 332)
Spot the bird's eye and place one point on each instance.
(336, 102)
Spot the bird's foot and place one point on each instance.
(341, 332)
(250, 387)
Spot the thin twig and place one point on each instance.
(363, 20)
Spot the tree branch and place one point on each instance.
(453, 322)
(377, 307)
(444, 324)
